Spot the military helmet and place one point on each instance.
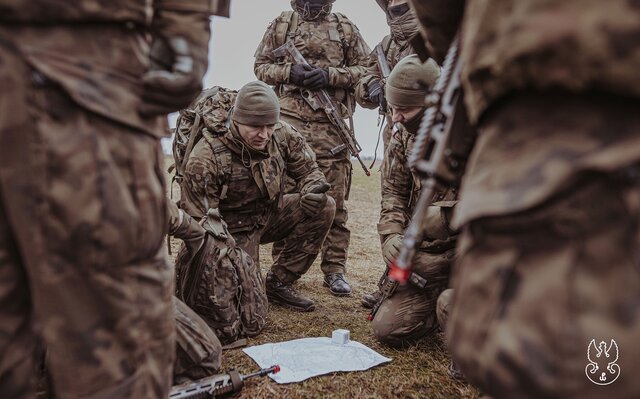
(384, 4)
(308, 13)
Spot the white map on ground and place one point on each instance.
(309, 357)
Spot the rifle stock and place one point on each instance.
(319, 99)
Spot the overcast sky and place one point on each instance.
(235, 40)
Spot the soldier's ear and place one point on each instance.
(418, 44)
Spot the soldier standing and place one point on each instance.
(332, 45)
(549, 204)
(240, 170)
(82, 197)
(369, 91)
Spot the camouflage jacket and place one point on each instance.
(401, 189)
(139, 12)
(245, 184)
(527, 47)
(333, 43)
(98, 50)
(510, 45)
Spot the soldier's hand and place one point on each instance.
(376, 94)
(298, 72)
(315, 79)
(315, 200)
(391, 248)
(175, 76)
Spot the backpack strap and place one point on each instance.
(345, 26)
(286, 26)
(222, 159)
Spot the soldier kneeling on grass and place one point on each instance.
(237, 167)
(409, 314)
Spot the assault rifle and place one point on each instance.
(217, 385)
(319, 99)
(442, 146)
(385, 69)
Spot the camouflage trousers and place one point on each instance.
(198, 350)
(443, 308)
(337, 169)
(82, 219)
(410, 313)
(534, 288)
(297, 237)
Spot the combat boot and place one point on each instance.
(337, 284)
(285, 295)
(370, 300)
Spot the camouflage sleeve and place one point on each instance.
(362, 87)
(181, 225)
(185, 18)
(301, 160)
(396, 189)
(265, 66)
(202, 182)
(439, 20)
(356, 61)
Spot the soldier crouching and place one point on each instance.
(409, 313)
(240, 170)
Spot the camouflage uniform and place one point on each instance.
(549, 205)
(333, 43)
(82, 202)
(198, 350)
(247, 187)
(410, 313)
(395, 46)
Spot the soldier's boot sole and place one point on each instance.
(284, 304)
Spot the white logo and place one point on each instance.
(602, 368)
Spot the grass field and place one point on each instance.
(416, 372)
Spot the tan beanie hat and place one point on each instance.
(403, 88)
(256, 105)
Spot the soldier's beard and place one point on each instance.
(308, 13)
(413, 125)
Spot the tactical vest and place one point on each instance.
(287, 24)
(249, 191)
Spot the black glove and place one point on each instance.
(318, 78)
(315, 200)
(175, 76)
(376, 94)
(298, 72)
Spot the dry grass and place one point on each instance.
(416, 372)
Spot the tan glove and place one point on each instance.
(391, 248)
